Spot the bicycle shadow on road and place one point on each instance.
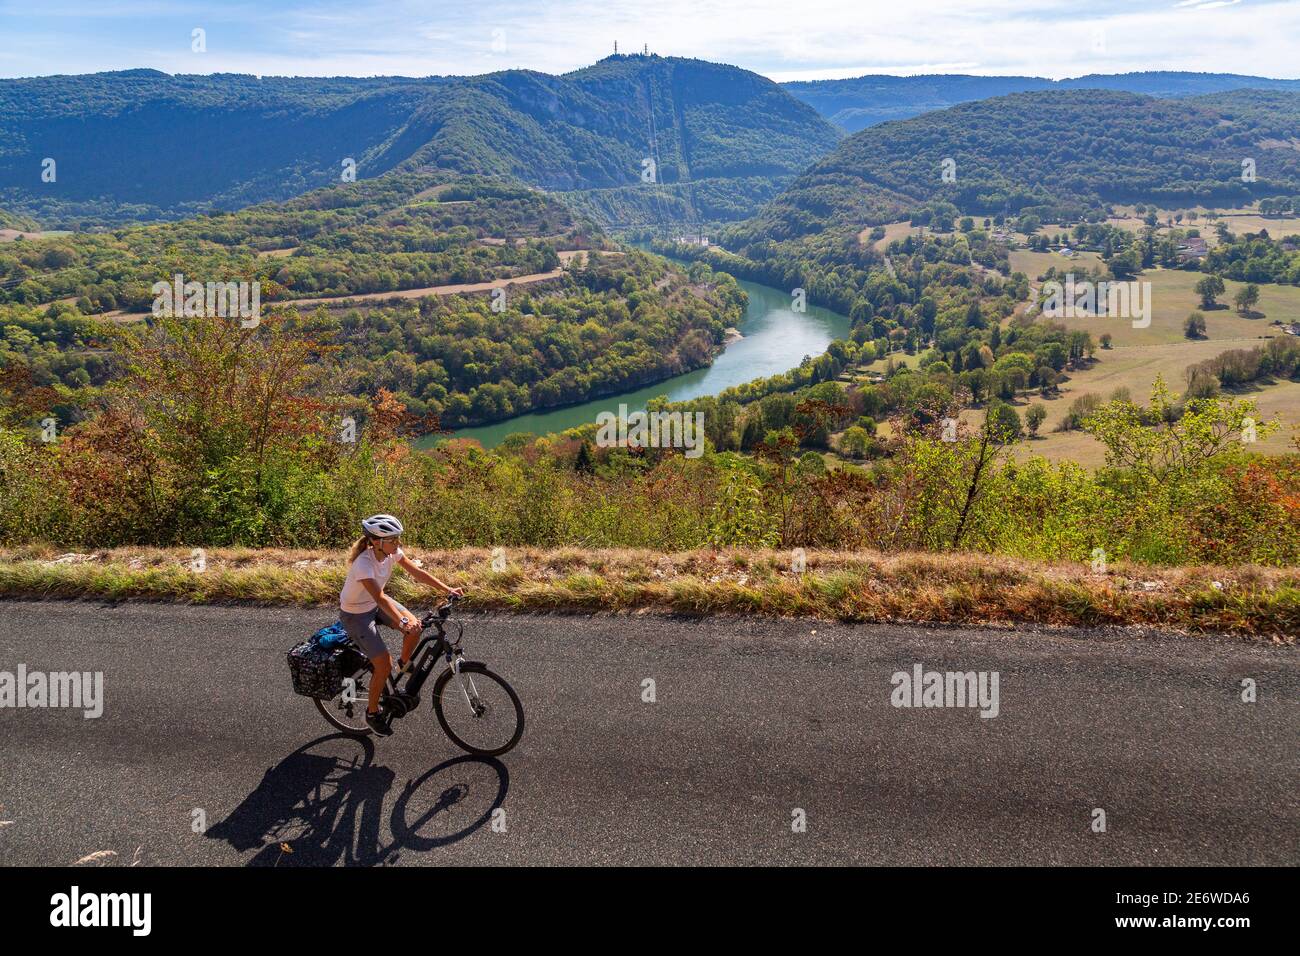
(323, 805)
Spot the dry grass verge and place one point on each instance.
(1260, 603)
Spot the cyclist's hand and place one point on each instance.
(456, 592)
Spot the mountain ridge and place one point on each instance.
(858, 102)
(231, 140)
(1081, 148)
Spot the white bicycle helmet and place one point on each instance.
(382, 526)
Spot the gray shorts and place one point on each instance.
(363, 631)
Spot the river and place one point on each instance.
(776, 339)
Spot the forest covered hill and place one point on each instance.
(1081, 149)
(139, 144)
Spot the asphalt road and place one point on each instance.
(203, 755)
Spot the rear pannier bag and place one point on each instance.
(319, 668)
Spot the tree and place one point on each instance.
(1015, 367)
(982, 453)
(1078, 412)
(1194, 326)
(1053, 354)
(1175, 444)
(810, 464)
(1201, 384)
(738, 518)
(202, 427)
(977, 380)
(1246, 298)
(1126, 264)
(1209, 289)
(1034, 417)
(1004, 422)
(855, 441)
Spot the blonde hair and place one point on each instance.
(358, 546)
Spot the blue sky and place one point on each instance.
(783, 39)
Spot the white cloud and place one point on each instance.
(807, 39)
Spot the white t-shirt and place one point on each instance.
(355, 599)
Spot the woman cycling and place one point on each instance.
(363, 604)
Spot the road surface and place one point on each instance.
(346, 301)
(204, 756)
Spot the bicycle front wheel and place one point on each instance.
(478, 710)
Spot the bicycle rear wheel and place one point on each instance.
(347, 710)
(478, 710)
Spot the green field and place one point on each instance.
(1136, 368)
(1034, 264)
(899, 358)
(1239, 221)
(1173, 299)
(1139, 355)
(1280, 401)
(894, 230)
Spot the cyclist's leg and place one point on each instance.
(362, 631)
(409, 637)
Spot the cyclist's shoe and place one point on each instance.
(379, 724)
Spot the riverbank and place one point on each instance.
(968, 589)
(773, 339)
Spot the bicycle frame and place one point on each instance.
(424, 658)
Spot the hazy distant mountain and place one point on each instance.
(143, 144)
(867, 100)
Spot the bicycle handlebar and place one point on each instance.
(440, 613)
